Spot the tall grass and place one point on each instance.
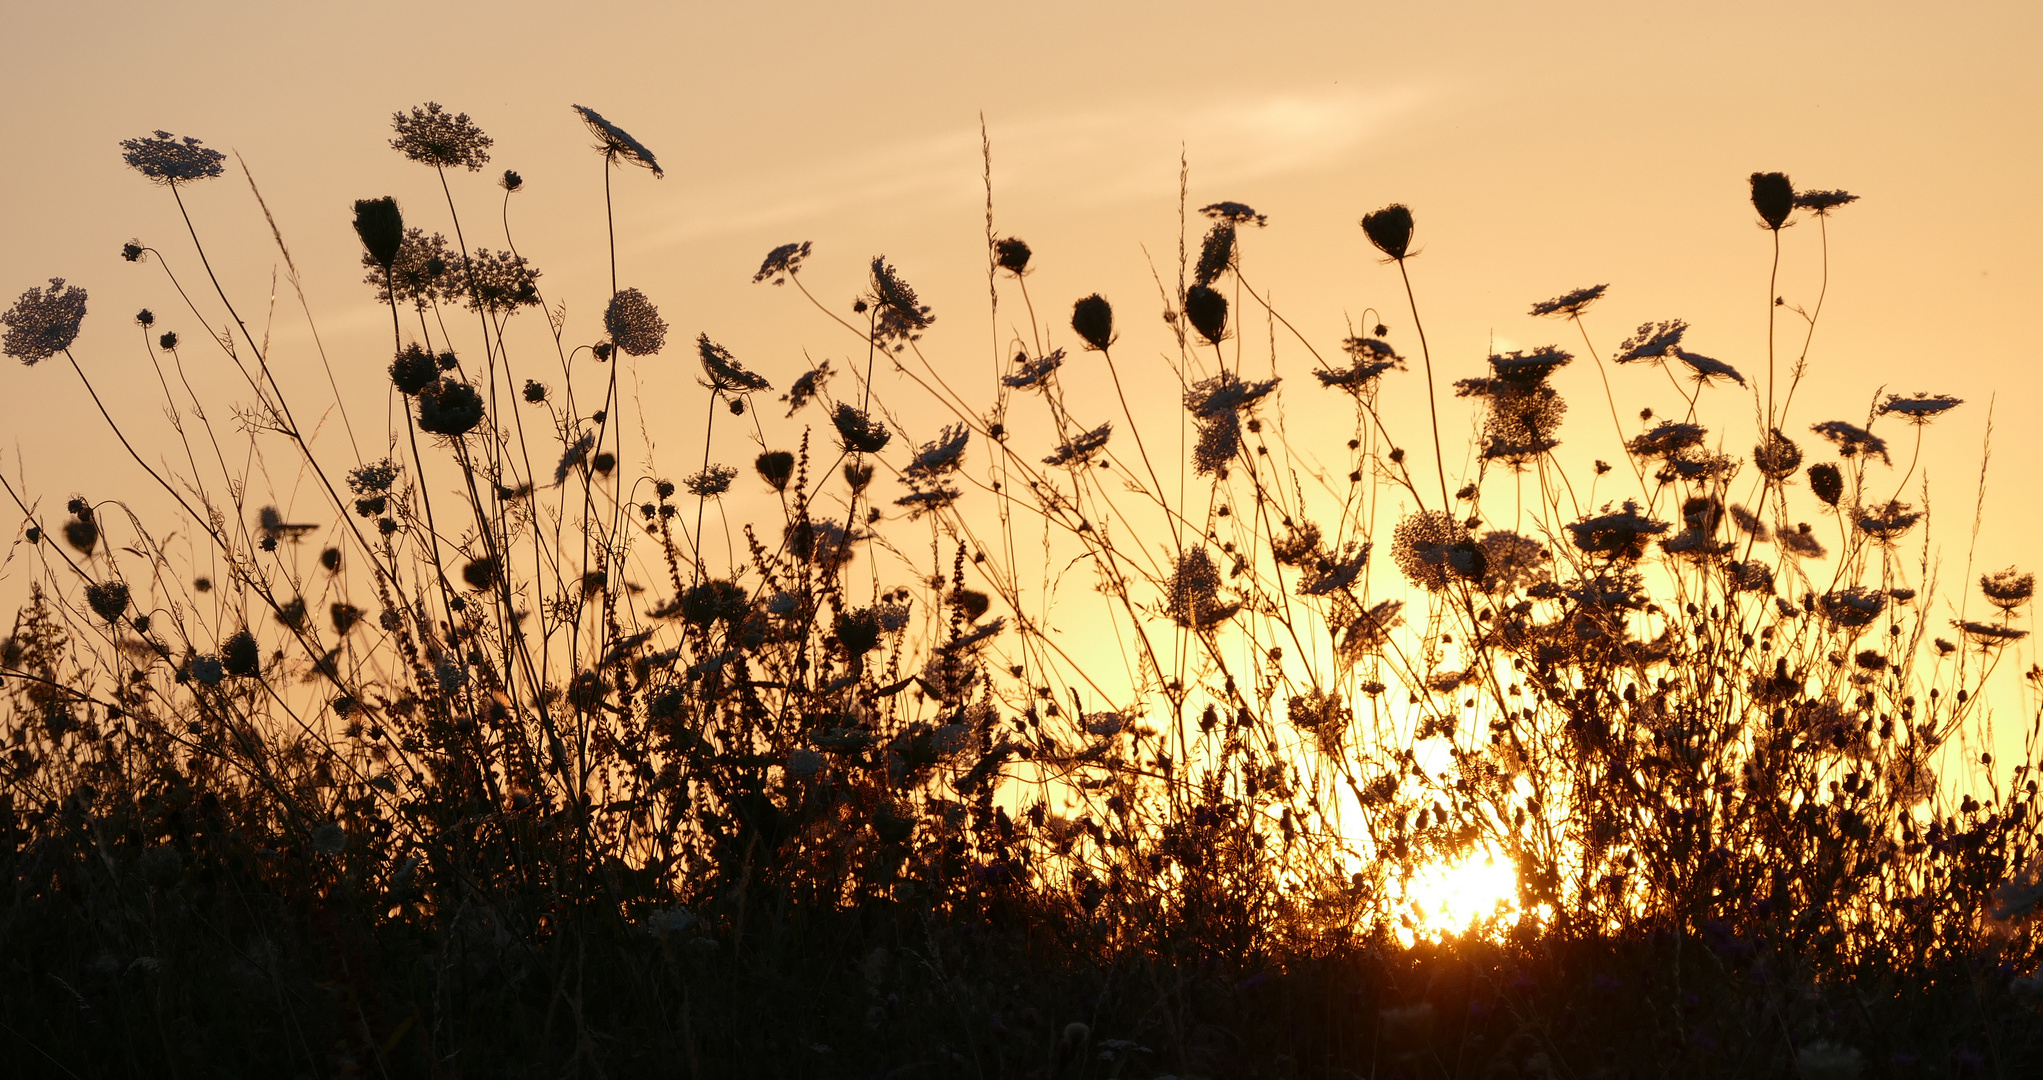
(485, 768)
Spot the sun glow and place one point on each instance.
(1476, 892)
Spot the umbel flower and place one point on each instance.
(1821, 203)
(1033, 373)
(1652, 341)
(634, 323)
(726, 375)
(1851, 439)
(1919, 409)
(43, 322)
(503, 281)
(2008, 589)
(711, 482)
(1433, 548)
(430, 135)
(901, 315)
(422, 273)
(1081, 448)
(782, 263)
(449, 407)
(1216, 254)
(616, 144)
(1568, 305)
(169, 160)
(941, 455)
(859, 432)
(1368, 359)
(1192, 596)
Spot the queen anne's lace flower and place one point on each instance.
(634, 323)
(615, 143)
(430, 135)
(167, 159)
(43, 322)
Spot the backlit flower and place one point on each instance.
(430, 135)
(616, 144)
(634, 323)
(168, 160)
(43, 322)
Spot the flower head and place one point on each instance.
(1774, 197)
(858, 432)
(1011, 253)
(1920, 408)
(1081, 448)
(1206, 307)
(430, 135)
(1216, 254)
(902, 316)
(1390, 229)
(503, 281)
(782, 263)
(941, 455)
(1368, 359)
(1702, 368)
(449, 407)
(1852, 608)
(806, 387)
(1092, 319)
(381, 226)
(422, 273)
(1033, 373)
(168, 160)
(1569, 304)
(43, 322)
(2008, 589)
(1433, 548)
(726, 375)
(1823, 202)
(1235, 213)
(1192, 596)
(1851, 439)
(1619, 534)
(1888, 523)
(616, 144)
(1652, 341)
(634, 323)
(711, 482)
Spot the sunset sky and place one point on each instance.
(1542, 148)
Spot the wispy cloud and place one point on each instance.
(1089, 158)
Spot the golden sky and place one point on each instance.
(1542, 147)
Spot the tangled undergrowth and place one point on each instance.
(483, 769)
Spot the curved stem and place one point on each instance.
(1432, 405)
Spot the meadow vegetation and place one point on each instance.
(479, 761)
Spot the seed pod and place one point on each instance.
(1390, 229)
(1012, 254)
(1208, 311)
(1774, 197)
(1827, 482)
(381, 226)
(108, 599)
(1093, 319)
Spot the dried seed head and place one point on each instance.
(380, 224)
(1390, 229)
(1012, 255)
(1093, 320)
(1827, 481)
(1774, 197)
(1207, 310)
